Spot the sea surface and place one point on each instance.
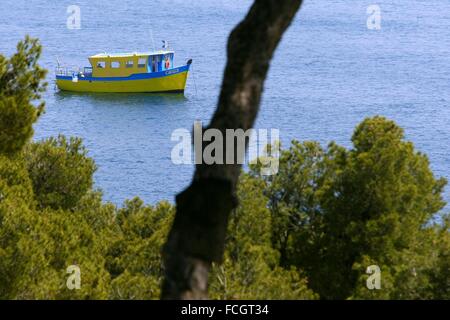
(328, 74)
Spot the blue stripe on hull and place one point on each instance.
(137, 76)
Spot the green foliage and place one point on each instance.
(338, 211)
(134, 258)
(36, 246)
(60, 171)
(308, 232)
(58, 240)
(20, 84)
(440, 276)
(251, 268)
(16, 220)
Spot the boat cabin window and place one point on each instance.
(130, 64)
(142, 63)
(101, 64)
(115, 64)
(157, 63)
(167, 61)
(154, 64)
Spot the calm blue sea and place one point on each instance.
(329, 73)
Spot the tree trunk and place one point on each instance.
(197, 236)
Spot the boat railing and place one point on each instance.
(65, 71)
(70, 72)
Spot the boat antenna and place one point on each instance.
(151, 37)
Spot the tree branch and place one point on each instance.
(198, 233)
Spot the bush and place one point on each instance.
(60, 171)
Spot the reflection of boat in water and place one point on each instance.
(126, 72)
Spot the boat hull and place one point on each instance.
(169, 81)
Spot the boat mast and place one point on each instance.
(151, 36)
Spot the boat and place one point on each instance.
(126, 72)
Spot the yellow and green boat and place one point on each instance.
(126, 72)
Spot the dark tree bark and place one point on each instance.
(198, 233)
